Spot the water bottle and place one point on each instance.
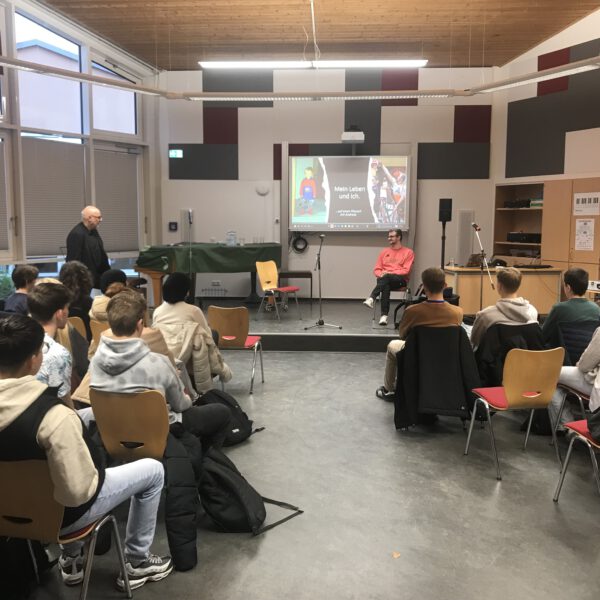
(231, 238)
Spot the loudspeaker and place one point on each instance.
(445, 210)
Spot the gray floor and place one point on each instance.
(354, 317)
(388, 514)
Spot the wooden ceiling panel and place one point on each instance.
(176, 34)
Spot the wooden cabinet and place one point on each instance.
(516, 212)
(556, 220)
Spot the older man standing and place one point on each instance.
(85, 244)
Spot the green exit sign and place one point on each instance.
(178, 153)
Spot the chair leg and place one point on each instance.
(581, 407)
(253, 369)
(560, 412)
(121, 556)
(528, 428)
(33, 562)
(474, 412)
(493, 441)
(222, 385)
(554, 438)
(594, 465)
(89, 559)
(276, 308)
(262, 370)
(563, 471)
(261, 305)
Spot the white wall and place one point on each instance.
(347, 258)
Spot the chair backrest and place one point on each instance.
(131, 426)
(232, 324)
(574, 337)
(97, 328)
(78, 325)
(267, 274)
(27, 505)
(530, 376)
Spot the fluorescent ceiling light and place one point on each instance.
(312, 64)
(580, 66)
(255, 64)
(369, 64)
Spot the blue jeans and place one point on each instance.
(142, 481)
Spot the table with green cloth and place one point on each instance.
(158, 261)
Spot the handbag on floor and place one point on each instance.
(230, 502)
(241, 425)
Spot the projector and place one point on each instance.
(353, 137)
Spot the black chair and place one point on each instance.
(2, 305)
(497, 342)
(574, 337)
(436, 373)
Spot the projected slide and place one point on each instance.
(360, 193)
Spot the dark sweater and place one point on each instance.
(575, 309)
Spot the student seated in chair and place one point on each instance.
(23, 277)
(433, 312)
(392, 271)
(49, 305)
(123, 363)
(34, 424)
(575, 308)
(509, 310)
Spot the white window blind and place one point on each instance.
(54, 193)
(117, 198)
(3, 200)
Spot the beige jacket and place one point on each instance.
(189, 338)
(72, 469)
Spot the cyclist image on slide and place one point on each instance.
(387, 193)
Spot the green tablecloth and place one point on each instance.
(208, 258)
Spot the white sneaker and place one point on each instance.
(369, 302)
(383, 320)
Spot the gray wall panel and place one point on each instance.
(237, 81)
(453, 161)
(366, 115)
(204, 161)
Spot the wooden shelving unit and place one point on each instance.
(509, 219)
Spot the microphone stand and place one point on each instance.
(320, 322)
(484, 262)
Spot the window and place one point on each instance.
(114, 110)
(47, 102)
(117, 197)
(54, 193)
(4, 214)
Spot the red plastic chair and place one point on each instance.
(269, 282)
(529, 380)
(232, 325)
(581, 434)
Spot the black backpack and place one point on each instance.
(241, 425)
(593, 422)
(230, 502)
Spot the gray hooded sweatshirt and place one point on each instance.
(507, 311)
(128, 366)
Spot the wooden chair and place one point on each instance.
(29, 511)
(529, 380)
(269, 282)
(97, 328)
(131, 426)
(233, 325)
(79, 326)
(580, 433)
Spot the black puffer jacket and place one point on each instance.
(182, 460)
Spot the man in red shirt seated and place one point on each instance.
(392, 270)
